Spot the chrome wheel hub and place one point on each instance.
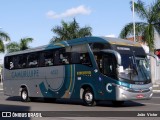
(88, 97)
(24, 95)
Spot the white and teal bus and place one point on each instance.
(90, 68)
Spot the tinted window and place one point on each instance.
(85, 59)
(9, 62)
(22, 61)
(33, 60)
(99, 46)
(49, 58)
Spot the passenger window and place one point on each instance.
(65, 58)
(33, 60)
(15, 62)
(48, 58)
(61, 57)
(99, 46)
(85, 59)
(11, 62)
(22, 61)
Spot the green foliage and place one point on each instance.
(24, 43)
(3, 37)
(14, 46)
(151, 17)
(70, 30)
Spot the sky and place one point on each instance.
(36, 18)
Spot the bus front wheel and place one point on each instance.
(88, 97)
(24, 95)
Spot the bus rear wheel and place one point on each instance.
(24, 95)
(88, 97)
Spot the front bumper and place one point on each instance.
(133, 94)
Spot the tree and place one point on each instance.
(3, 37)
(69, 31)
(14, 46)
(151, 16)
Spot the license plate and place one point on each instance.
(140, 96)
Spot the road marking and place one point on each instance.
(150, 103)
(155, 97)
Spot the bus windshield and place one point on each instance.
(134, 68)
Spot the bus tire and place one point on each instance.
(24, 95)
(88, 97)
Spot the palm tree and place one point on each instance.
(70, 31)
(14, 46)
(3, 37)
(151, 16)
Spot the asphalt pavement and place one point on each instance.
(1, 86)
(63, 109)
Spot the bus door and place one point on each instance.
(109, 65)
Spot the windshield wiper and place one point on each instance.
(133, 66)
(142, 71)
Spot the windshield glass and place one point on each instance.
(134, 68)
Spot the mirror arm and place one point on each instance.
(154, 56)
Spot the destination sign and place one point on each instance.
(123, 48)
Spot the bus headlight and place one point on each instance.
(120, 86)
(124, 88)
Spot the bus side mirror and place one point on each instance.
(155, 57)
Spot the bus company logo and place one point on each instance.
(108, 87)
(6, 114)
(21, 114)
(87, 73)
(123, 48)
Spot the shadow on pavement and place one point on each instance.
(14, 98)
(126, 104)
(80, 102)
